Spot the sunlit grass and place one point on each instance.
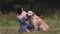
(8, 20)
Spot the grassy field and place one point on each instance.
(9, 24)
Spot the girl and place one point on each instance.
(22, 19)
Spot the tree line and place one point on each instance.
(37, 6)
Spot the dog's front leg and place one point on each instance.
(35, 28)
(35, 25)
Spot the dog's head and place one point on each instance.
(30, 13)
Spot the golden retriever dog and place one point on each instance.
(37, 22)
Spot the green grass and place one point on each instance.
(9, 24)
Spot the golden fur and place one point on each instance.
(37, 22)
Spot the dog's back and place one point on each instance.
(43, 23)
(40, 22)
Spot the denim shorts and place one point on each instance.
(24, 25)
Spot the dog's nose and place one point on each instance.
(29, 16)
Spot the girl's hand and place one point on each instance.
(23, 21)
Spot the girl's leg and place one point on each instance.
(27, 30)
(24, 27)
